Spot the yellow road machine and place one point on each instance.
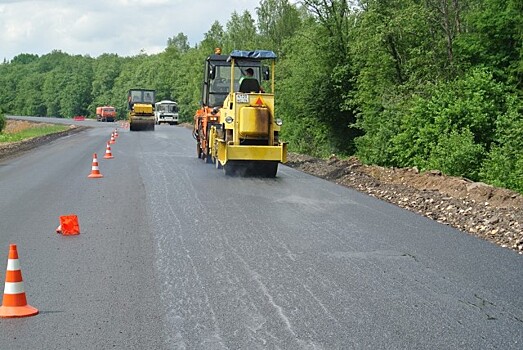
(245, 141)
(140, 104)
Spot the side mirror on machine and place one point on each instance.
(266, 73)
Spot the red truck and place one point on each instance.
(105, 114)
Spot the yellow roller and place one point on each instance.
(141, 109)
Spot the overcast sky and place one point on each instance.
(93, 27)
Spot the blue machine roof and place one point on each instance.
(257, 54)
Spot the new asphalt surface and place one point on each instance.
(175, 255)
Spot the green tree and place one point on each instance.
(494, 39)
(241, 33)
(24, 58)
(2, 121)
(213, 38)
(106, 68)
(28, 99)
(278, 21)
(180, 42)
(320, 76)
(504, 164)
(452, 127)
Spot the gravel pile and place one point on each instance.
(493, 214)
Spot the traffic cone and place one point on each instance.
(112, 139)
(108, 154)
(15, 303)
(95, 171)
(68, 225)
(115, 133)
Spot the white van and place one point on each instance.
(166, 111)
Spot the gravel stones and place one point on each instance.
(493, 214)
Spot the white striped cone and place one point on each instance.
(95, 171)
(108, 154)
(14, 303)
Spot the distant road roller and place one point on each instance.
(245, 139)
(140, 104)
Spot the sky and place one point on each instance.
(93, 27)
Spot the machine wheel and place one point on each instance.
(268, 169)
(198, 150)
(230, 168)
(237, 168)
(208, 157)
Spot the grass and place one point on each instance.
(24, 131)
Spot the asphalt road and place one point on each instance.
(174, 255)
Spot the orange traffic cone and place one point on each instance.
(15, 302)
(68, 225)
(108, 154)
(112, 139)
(95, 171)
(115, 133)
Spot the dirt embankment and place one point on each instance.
(478, 209)
(11, 149)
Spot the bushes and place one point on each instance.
(457, 154)
(2, 122)
(504, 163)
(470, 127)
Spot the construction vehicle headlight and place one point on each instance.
(279, 122)
(228, 119)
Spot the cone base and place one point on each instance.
(95, 176)
(108, 157)
(17, 311)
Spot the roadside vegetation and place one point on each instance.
(2, 122)
(435, 84)
(13, 131)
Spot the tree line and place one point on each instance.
(435, 84)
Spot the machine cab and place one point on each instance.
(140, 96)
(216, 81)
(247, 71)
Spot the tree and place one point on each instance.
(2, 121)
(452, 128)
(76, 96)
(334, 17)
(310, 87)
(326, 46)
(213, 38)
(504, 163)
(494, 39)
(241, 32)
(278, 20)
(180, 42)
(106, 68)
(24, 58)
